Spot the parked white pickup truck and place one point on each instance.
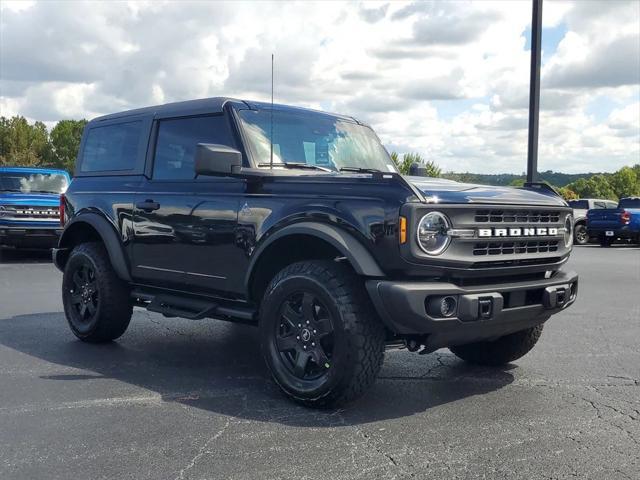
(580, 209)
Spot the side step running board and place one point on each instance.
(180, 307)
(193, 308)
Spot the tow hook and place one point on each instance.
(485, 307)
(480, 306)
(558, 296)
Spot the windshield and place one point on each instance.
(29, 182)
(315, 139)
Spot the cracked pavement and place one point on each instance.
(180, 399)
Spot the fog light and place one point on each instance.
(448, 306)
(442, 306)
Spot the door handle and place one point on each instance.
(148, 205)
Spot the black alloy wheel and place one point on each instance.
(304, 336)
(581, 236)
(96, 302)
(320, 337)
(84, 294)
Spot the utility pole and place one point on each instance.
(534, 91)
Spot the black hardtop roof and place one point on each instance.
(207, 105)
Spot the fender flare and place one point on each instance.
(355, 252)
(109, 237)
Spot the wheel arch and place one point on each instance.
(320, 241)
(88, 227)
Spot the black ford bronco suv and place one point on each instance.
(298, 222)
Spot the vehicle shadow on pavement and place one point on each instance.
(217, 367)
(24, 256)
(615, 246)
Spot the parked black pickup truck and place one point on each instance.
(190, 210)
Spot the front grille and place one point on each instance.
(510, 248)
(20, 212)
(517, 216)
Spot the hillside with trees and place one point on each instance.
(623, 183)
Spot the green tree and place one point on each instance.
(65, 141)
(22, 143)
(625, 182)
(567, 193)
(408, 159)
(596, 186)
(401, 163)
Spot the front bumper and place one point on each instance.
(29, 237)
(483, 312)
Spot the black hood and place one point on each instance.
(439, 190)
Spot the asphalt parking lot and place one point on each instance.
(178, 399)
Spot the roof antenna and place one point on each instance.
(271, 119)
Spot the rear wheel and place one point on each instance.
(606, 241)
(96, 302)
(320, 338)
(580, 235)
(501, 351)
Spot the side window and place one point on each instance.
(599, 205)
(177, 141)
(579, 204)
(112, 147)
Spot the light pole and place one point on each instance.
(534, 91)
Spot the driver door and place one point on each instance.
(184, 227)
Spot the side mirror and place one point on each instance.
(212, 159)
(416, 170)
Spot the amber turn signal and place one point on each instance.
(403, 230)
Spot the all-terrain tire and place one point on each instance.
(580, 235)
(501, 351)
(104, 309)
(606, 241)
(357, 334)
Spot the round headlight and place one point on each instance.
(433, 236)
(568, 231)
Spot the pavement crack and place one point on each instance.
(162, 325)
(440, 364)
(623, 377)
(205, 449)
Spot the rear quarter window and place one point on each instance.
(113, 147)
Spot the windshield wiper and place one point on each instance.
(301, 165)
(360, 170)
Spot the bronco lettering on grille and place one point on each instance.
(518, 232)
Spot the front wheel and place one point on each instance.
(96, 302)
(580, 235)
(501, 351)
(321, 340)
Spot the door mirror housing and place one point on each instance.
(213, 159)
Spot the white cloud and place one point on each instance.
(447, 79)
